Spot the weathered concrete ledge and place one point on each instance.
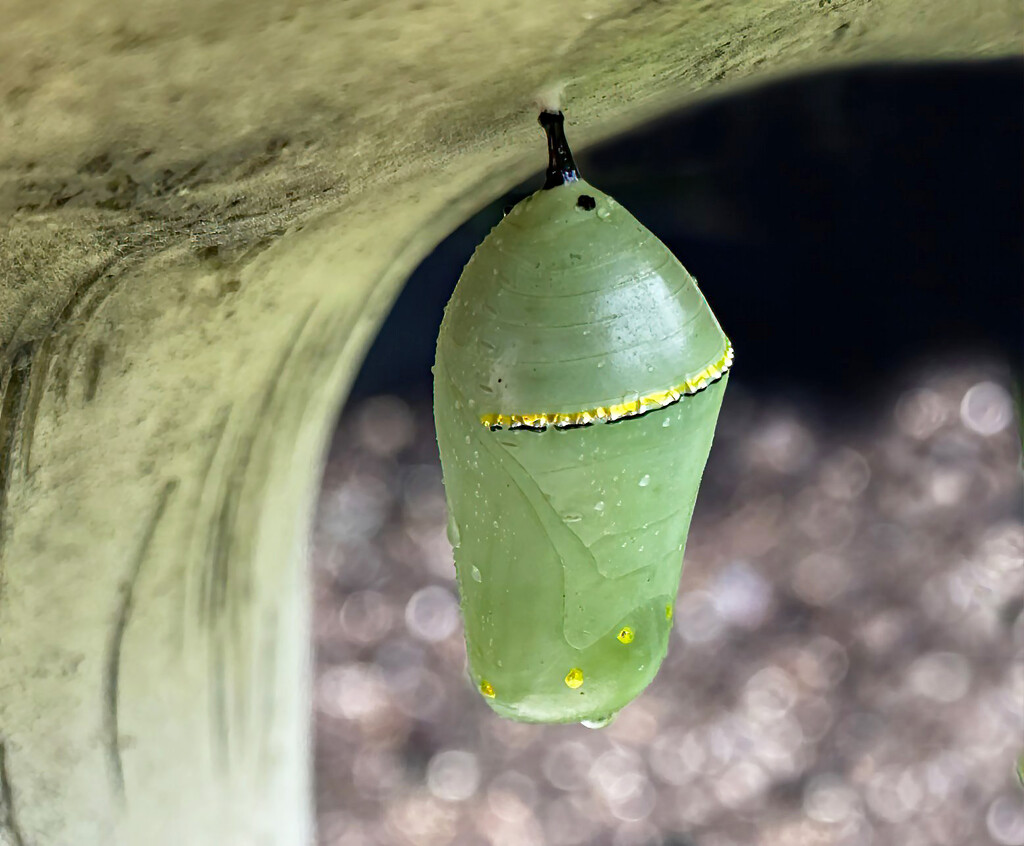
(207, 210)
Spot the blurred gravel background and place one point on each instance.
(846, 666)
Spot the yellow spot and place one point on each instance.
(630, 408)
(487, 689)
(625, 635)
(574, 678)
(668, 613)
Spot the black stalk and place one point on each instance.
(561, 167)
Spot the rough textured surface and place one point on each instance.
(207, 208)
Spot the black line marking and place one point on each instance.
(93, 368)
(12, 405)
(113, 669)
(9, 819)
(216, 438)
(220, 577)
(222, 582)
(36, 389)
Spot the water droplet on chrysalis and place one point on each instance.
(599, 722)
(453, 533)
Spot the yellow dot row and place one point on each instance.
(574, 678)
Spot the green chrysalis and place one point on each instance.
(577, 383)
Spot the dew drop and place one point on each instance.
(603, 213)
(572, 518)
(468, 439)
(475, 573)
(453, 533)
(599, 506)
(666, 422)
(645, 480)
(599, 722)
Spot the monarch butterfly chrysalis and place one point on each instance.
(577, 384)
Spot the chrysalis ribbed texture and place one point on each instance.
(569, 538)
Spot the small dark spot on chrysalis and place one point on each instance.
(586, 202)
(499, 379)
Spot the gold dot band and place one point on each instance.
(619, 411)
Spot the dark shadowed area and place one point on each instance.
(845, 665)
